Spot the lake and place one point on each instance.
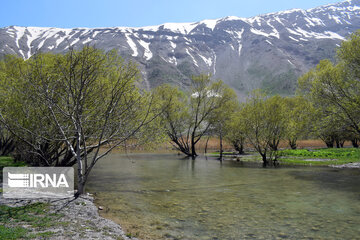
(164, 196)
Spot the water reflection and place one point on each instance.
(167, 197)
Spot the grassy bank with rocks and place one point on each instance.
(53, 219)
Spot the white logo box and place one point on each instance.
(38, 182)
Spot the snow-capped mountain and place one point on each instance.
(267, 51)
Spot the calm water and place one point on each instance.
(162, 196)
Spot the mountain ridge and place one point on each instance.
(267, 51)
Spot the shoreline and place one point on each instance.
(79, 219)
(347, 165)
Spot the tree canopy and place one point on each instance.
(63, 107)
(188, 116)
(334, 89)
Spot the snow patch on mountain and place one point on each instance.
(173, 46)
(147, 53)
(192, 57)
(87, 41)
(132, 45)
(208, 60)
(210, 23)
(272, 34)
(172, 60)
(183, 28)
(20, 31)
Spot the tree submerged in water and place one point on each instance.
(64, 107)
(264, 124)
(187, 117)
(334, 90)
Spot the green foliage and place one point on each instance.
(175, 115)
(334, 91)
(64, 107)
(264, 123)
(235, 131)
(349, 54)
(298, 113)
(48, 100)
(7, 141)
(188, 116)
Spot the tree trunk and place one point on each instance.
(329, 142)
(263, 155)
(221, 147)
(292, 143)
(239, 146)
(206, 145)
(80, 189)
(193, 150)
(181, 147)
(355, 143)
(337, 143)
(80, 175)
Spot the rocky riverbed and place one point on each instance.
(76, 219)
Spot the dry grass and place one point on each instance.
(214, 145)
(312, 143)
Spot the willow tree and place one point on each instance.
(221, 116)
(265, 124)
(335, 88)
(299, 114)
(64, 107)
(188, 116)
(235, 131)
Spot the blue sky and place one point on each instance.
(135, 13)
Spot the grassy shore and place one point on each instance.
(318, 157)
(35, 216)
(53, 219)
(323, 156)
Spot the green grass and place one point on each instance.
(218, 153)
(9, 162)
(13, 232)
(35, 215)
(326, 156)
(317, 157)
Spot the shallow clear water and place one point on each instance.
(163, 196)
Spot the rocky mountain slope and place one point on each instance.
(268, 51)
